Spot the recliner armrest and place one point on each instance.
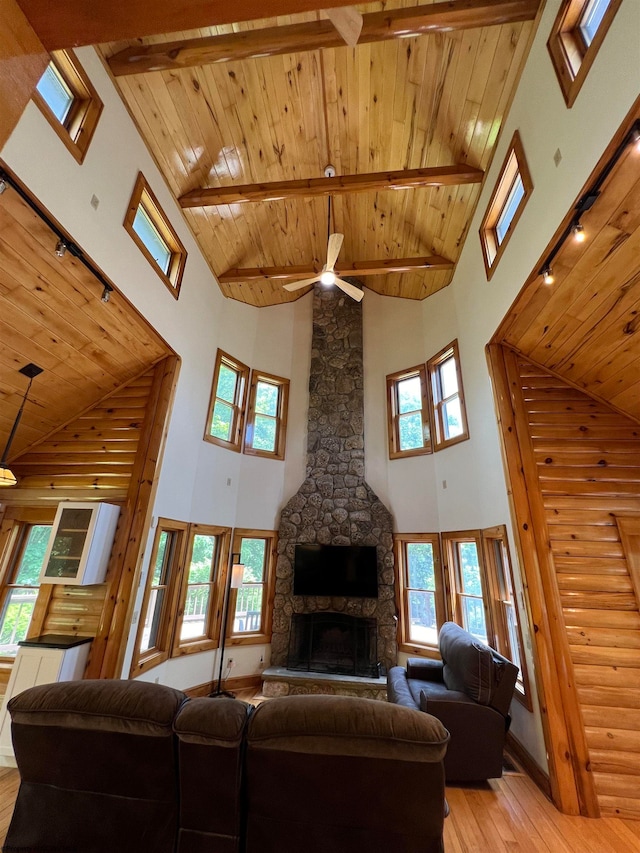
(425, 669)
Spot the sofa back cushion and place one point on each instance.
(475, 669)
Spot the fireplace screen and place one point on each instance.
(333, 643)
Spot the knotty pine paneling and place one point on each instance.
(401, 104)
(588, 469)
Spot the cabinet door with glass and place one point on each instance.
(80, 544)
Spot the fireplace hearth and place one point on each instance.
(334, 643)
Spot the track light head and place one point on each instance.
(547, 275)
(106, 294)
(578, 233)
(61, 248)
(3, 185)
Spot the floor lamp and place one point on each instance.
(234, 581)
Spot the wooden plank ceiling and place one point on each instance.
(424, 102)
(51, 314)
(585, 327)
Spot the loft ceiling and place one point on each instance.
(51, 314)
(409, 123)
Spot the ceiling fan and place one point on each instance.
(328, 275)
(348, 22)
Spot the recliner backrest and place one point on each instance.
(475, 669)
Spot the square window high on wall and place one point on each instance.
(69, 102)
(511, 193)
(576, 37)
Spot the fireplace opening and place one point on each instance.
(333, 643)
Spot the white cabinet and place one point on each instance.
(80, 543)
(42, 660)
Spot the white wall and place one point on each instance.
(193, 480)
(398, 335)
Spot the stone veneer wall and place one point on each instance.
(334, 505)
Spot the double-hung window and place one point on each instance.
(248, 409)
(408, 413)
(251, 604)
(449, 414)
(69, 102)
(225, 421)
(266, 420)
(420, 590)
(25, 550)
(466, 575)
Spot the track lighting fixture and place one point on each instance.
(587, 201)
(106, 293)
(61, 248)
(578, 233)
(3, 185)
(547, 275)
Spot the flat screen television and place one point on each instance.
(337, 570)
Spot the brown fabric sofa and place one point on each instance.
(132, 766)
(469, 691)
(333, 773)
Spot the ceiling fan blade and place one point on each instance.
(298, 285)
(348, 22)
(349, 289)
(333, 249)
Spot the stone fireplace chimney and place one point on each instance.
(334, 505)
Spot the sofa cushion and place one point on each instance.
(468, 663)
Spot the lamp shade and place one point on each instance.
(237, 575)
(7, 477)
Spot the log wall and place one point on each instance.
(587, 473)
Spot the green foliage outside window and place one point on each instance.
(21, 599)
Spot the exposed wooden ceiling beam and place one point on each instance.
(72, 23)
(438, 176)
(314, 35)
(357, 268)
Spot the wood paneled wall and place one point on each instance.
(585, 473)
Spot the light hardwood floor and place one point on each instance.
(508, 815)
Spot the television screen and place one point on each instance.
(338, 570)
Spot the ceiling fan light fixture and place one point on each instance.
(328, 277)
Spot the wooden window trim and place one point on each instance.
(438, 431)
(452, 572)
(13, 521)
(281, 417)
(501, 641)
(143, 196)
(143, 661)
(239, 403)
(393, 414)
(263, 636)
(76, 132)
(570, 56)
(405, 643)
(514, 163)
(213, 619)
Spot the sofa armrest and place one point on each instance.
(425, 669)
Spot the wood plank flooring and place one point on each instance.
(508, 815)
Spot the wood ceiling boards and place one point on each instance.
(51, 313)
(585, 327)
(428, 102)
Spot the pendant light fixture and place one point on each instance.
(7, 477)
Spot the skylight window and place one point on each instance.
(509, 211)
(56, 93)
(69, 102)
(511, 193)
(592, 18)
(149, 227)
(577, 34)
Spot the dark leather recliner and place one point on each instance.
(469, 691)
